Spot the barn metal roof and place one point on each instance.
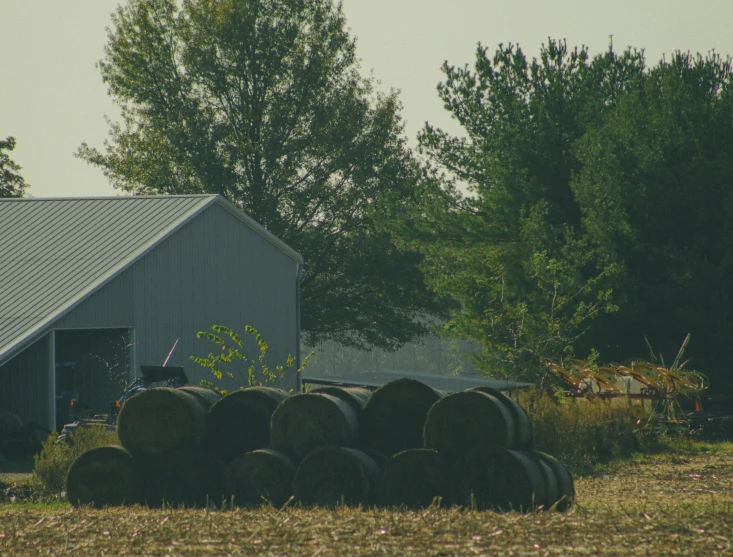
(56, 252)
(447, 383)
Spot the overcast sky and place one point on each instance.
(52, 97)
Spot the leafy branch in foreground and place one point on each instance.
(257, 372)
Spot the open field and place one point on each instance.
(663, 505)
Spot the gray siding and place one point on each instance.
(54, 252)
(108, 307)
(24, 388)
(215, 270)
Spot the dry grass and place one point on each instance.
(679, 505)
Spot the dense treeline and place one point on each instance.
(585, 205)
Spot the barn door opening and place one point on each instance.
(92, 368)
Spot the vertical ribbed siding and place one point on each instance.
(54, 251)
(24, 383)
(215, 270)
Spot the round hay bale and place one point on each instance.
(104, 476)
(356, 397)
(414, 478)
(260, 476)
(207, 397)
(522, 425)
(552, 487)
(189, 477)
(394, 416)
(498, 479)
(335, 475)
(468, 420)
(240, 422)
(161, 419)
(565, 485)
(380, 458)
(308, 421)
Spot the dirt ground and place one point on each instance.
(662, 506)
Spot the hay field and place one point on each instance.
(663, 505)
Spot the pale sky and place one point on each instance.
(52, 97)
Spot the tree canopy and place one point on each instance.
(585, 206)
(261, 101)
(12, 183)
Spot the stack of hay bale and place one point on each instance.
(405, 444)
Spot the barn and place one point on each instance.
(92, 288)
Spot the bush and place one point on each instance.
(53, 462)
(582, 432)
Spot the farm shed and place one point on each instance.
(92, 288)
(447, 383)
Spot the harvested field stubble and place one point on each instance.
(683, 507)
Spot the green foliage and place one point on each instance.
(654, 185)
(52, 464)
(261, 101)
(499, 228)
(585, 432)
(257, 370)
(586, 205)
(12, 183)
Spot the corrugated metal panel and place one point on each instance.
(214, 270)
(446, 383)
(108, 307)
(24, 381)
(54, 252)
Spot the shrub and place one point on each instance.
(583, 432)
(52, 464)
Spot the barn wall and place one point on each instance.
(215, 270)
(108, 307)
(24, 388)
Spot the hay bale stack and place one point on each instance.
(161, 419)
(520, 419)
(305, 422)
(240, 422)
(206, 397)
(258, 477)
(104, 476)
(394, 416)
(564, 479)
(466, 421)
(333, 475)
(414, 478)
(189, 476)
(356, 397)
(552, 486)
(498, 479)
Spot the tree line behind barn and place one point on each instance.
(405, 444)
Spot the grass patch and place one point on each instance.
(584, 433)
(52, 464)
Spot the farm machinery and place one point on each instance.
(150, 376)
(676, 396)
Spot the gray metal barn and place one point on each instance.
(92, 288)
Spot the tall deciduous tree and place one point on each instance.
(261, 101)
(12, 183)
